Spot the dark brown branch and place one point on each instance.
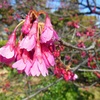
(88, 4)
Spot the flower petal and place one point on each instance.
(48, 22)
(42, 68)
(34, 70)
(6, 52)
(46, 35)
(28, 67)
(50, 58)
(20, 65)
(28, 43)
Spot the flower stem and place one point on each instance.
(20, 24)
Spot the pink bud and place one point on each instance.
(78, 34)
(76, 25)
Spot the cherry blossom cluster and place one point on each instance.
(31, 52)
(66, 74)
(60, 70)
(92, 62)
(73, 24)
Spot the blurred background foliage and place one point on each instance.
(18, 86)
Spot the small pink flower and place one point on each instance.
(83, 54)
(39, 65)
(38, 68)
(7, 52)
(69, 23)
(47, 56)
(23, 64)
(90, 32)
(81, 45)
(57, 71)
(29, 41)
(67, 57)
(91, 62)
(27, 25)
(74, 77)
(78, 34)
(76, 25)
(56, 53)
(69, 75)
(48, 34)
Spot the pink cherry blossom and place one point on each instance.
(38, 68)
(73, 24)
(67, 75)
(47, 56)
(91, 62)
(76, 25)
(7, 52)
(27, 25)
(75, 76)
(56, 53)
(29, 41)
(39, 65)
(81, 45)
(90, 32)
(48, 34)
(78, 34)
(23, 64)
(83, 54)
(67, 57)
(57, 71)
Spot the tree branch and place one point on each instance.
(74, 47)
(43, 89)
(87, 70)
(94, 83)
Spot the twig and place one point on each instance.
(73, 35)
(94, 83)
(76, 68)
(43, 89)
(74, 47)
(87, 70)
